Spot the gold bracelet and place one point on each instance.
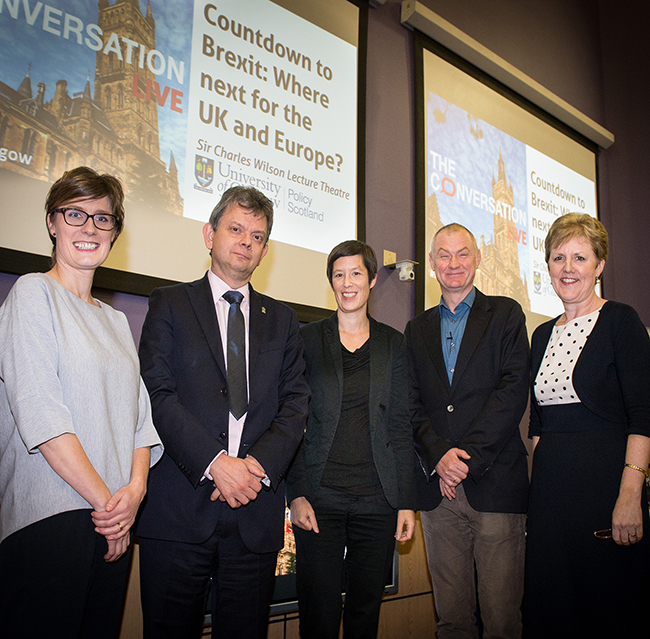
(645, 472)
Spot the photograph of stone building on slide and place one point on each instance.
(499, 272)
(107, 125)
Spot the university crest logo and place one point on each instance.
(203, 172)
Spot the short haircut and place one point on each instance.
(454, 227)
(579, 225)
(84, 183)
(348, 249)
(248, 198)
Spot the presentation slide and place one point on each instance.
(182, 100)
(273, 110)
(505, 175)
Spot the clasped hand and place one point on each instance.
(451, 470)
(236, 481)
(117, 518)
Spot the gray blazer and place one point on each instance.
(390, 428)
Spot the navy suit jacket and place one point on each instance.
(390, 430)
(480, 411)
(183, 368)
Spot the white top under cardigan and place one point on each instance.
(554, 381)
(66, 366)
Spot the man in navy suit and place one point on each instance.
(215, 507)
(469, 366)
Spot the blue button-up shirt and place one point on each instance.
(452, 328)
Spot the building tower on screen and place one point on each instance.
(499, 272)
(115, 130)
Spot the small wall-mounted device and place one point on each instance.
(405, 267)
(406, 272)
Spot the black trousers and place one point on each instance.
(55, 583)
(175, 577)
(351, 553)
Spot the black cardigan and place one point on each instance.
(390, 429)
(612, 374)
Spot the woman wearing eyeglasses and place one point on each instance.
(76, 436)
(588, 545)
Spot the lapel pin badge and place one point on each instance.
(264, 309)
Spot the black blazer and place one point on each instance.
(390, 429)
(183, 368)
(481, 410)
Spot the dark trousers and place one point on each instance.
(175, 578)
(353, 553)
(55, 583)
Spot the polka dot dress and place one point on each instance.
(554, 383)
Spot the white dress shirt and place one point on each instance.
(218, 288)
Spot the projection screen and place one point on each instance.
(501, 167)
(181, 100)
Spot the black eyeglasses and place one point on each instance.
(77, 217)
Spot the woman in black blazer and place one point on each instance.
(351, 485)
(588, 548)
